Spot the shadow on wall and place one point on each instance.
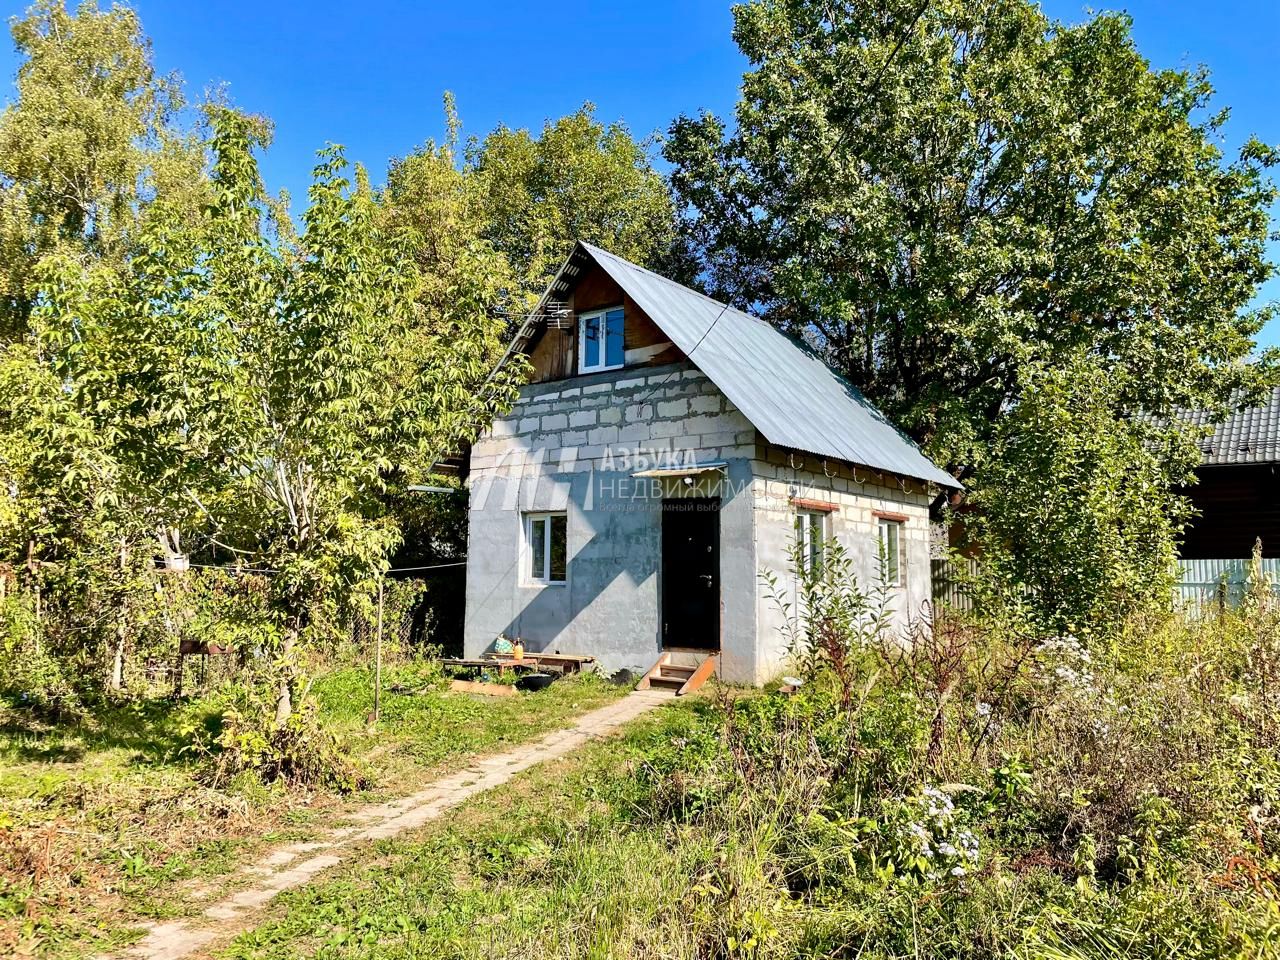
(610, 604)
(605, 586)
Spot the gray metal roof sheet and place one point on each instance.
(1251, 435)
(791, 396)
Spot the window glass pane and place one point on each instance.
(815, 541)
(538, 548)
(559, 552)
(810, 534)
(894, 572)
(802, 542)
(614, 353)
(889, 534)
(591, 342)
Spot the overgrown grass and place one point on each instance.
(107, 818)
(1119, 801)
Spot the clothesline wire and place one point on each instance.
(268, 570)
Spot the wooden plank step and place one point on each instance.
(681, 678)
(675, 670)
(667, 683)
(647, 680)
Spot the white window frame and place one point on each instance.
(804, 535)
(526, 549)
(894, 563)
(602, 366)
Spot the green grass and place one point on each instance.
(634, 847)
(104, 821)
(421, 727)
(553, 864)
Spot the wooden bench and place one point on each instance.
(550, 662)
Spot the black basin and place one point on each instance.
(534, 681)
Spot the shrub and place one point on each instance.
(977, 787)
(298, 752)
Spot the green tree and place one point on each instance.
(90, 142)
(938, 194)
(439, 210)
(579, 180)
(948, 197)
(1076, 500)
(284, 377)
(92, 135)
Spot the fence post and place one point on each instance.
(377, 659)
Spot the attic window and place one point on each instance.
(600, 340)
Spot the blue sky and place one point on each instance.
(371, 75)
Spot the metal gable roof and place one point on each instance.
(1251, 435)
(790, 395)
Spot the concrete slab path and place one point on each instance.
(294, 865)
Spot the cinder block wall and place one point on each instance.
(778, 476)
(572, 445)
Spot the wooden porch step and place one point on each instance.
(676, 670)
(682, 678)
(664, 682)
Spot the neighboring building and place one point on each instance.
(665, 456)
(1237, 493)
(1237, 501)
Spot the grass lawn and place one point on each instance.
(560, 862)
(104, 822)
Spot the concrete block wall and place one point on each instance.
(779, 476)
(573, 445)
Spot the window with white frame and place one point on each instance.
(811, 534)
(546, 547)
(891, 550)
(600, 345)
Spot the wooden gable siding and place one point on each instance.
(554, 352)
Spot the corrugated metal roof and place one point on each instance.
(1251, 435)
(791, 396)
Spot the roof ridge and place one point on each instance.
(674, 283)
(778, 382)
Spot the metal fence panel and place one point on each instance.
(1200, 582)
(949, 586)
(1220, 581)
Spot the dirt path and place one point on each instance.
(295, 864)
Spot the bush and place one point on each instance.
(299, 752)
(980, 788)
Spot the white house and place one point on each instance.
(666, 453)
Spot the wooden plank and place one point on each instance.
(645, 681)
(458, 663)
(487, 689)
(705, 671)
(553, 356)
(596, 290)
(887, 515)
(823, 506)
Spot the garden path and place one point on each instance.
(295, 864)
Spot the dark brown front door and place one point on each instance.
(691, 573)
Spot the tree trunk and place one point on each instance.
(117, 665)
(284, 698)
(33, 572)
